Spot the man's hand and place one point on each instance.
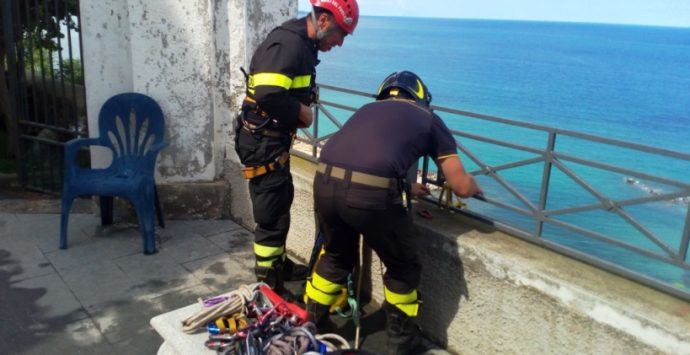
(305, 116)
(462, 183)
(418, 190)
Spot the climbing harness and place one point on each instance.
(254, 171)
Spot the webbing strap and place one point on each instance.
(254, 171)
(262, 131)
(355, 176)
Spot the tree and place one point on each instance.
(38, 23)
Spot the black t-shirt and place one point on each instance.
(385, 138)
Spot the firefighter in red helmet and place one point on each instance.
(280, 89)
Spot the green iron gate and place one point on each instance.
(40, 53)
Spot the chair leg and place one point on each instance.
(106, 203)
(159, 211)
(147, 224)
(64, 220)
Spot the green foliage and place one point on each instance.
(45, 61)
(71, 71)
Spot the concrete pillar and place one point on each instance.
(186, 54)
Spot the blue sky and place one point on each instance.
(641, 12)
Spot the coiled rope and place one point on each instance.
(231, 303)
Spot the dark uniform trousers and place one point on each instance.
(347, 209)
(271, 193)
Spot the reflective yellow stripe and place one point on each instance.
(266, 263)
(280, 80)
(420, 90)
(405, 302)
(270, 79)
(302, 81)
(319, 296)
(323, 291)
(325, 285)
(264, 251)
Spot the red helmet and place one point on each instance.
(346, 12)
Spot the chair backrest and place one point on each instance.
(130, 124)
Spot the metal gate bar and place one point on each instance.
(46, 100)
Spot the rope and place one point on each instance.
(304, 340)
(296, 340)
(355, 313)
(323, 338)
(226, 304)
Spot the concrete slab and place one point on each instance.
(56, 302)
(128, 319)
(203, 227)
(40, 315)
(234, 241)
(46, 234)
(155, 275)
(87, 254)
(81, 337)
(99, 283)
(23, 260)
(6, 221)
(188, 248)
(222, 273)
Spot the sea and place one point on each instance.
(622, 82)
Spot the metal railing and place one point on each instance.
(530, 205)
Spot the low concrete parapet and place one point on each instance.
(486, 292)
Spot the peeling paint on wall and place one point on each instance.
(185, 54)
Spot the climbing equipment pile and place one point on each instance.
(254, 320)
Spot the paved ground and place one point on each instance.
(97, 296)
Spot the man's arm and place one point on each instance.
(462, 183)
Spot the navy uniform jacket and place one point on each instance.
(385, 138)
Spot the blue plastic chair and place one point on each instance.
(132, 126)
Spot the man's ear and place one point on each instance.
(323, 21)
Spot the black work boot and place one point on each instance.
(404, 334)
(319, 314)
(293, 271)
(272, 276)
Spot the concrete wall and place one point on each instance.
(186, 54)
(485, 292)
